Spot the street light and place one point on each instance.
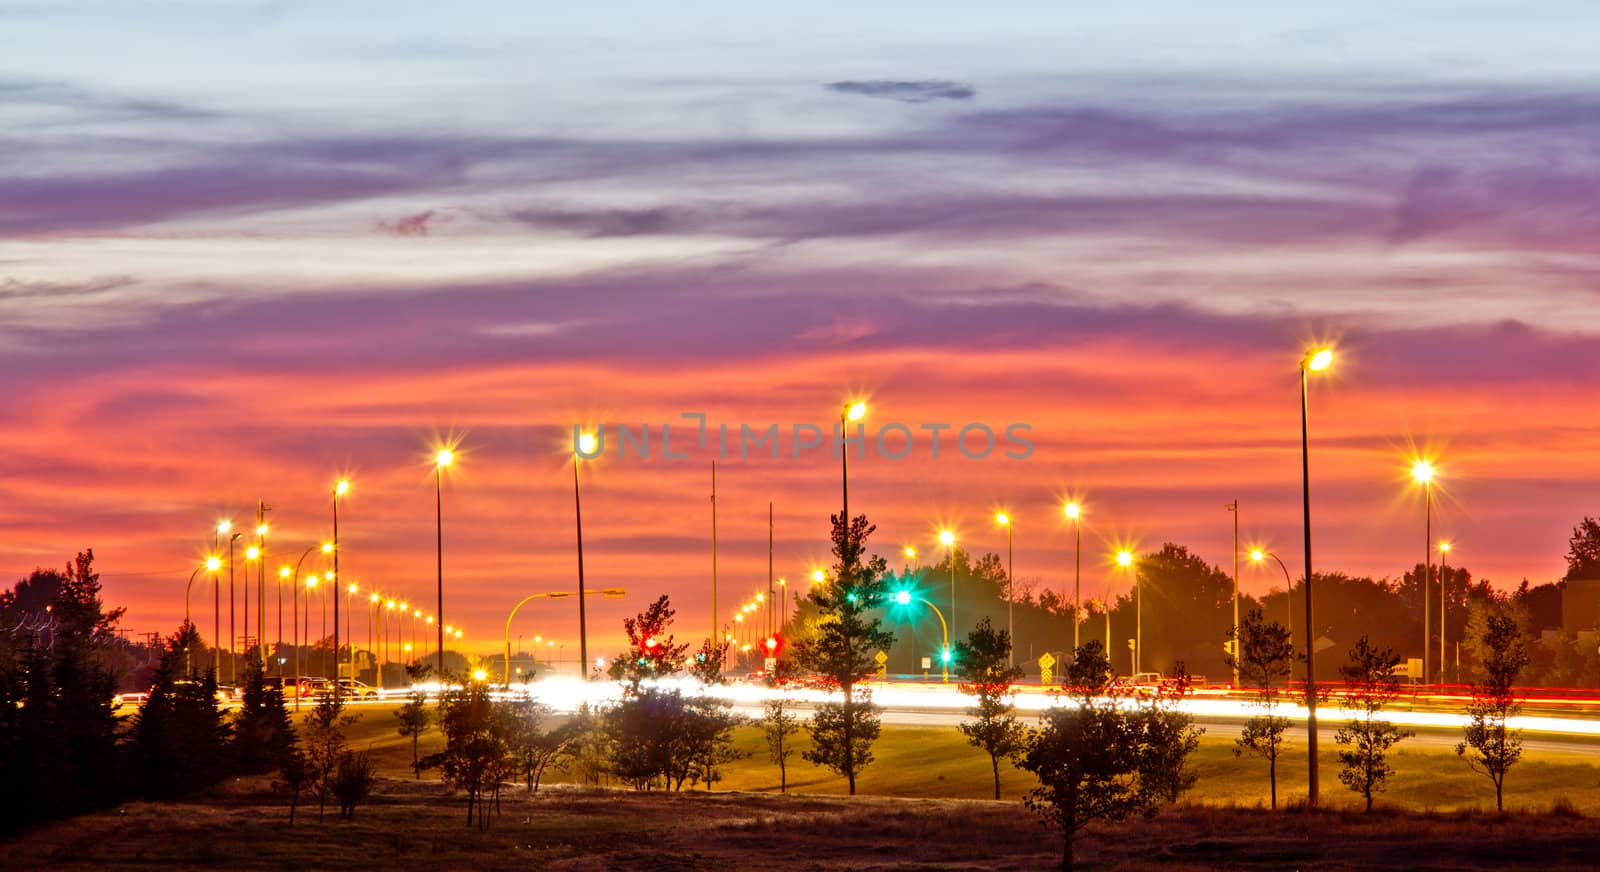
(587, 445)
(904, 597)
(443, 458)
(211, 564)
(1444, 581)
(1074, 513)
(1258, 555)
(1125, 560)
(1004, 520)
(848, 413)
(947, 538)
(1422, 473)
(340, 488)
(1315, 360)
(232, 628)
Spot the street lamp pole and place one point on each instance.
(232, 629)
(444, 458)
(948, 540)
(1315, 361)
(1074, 512)
(1444, 581)
(1125, 560)
(1004, 520)
(1234, 508)
(587, 444)
(339, 489)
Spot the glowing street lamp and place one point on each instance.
(849, 413)
(1074, 513)
(947, 538)
(1315, 360)
(587, 446)
(443, 458)
(1444, 581)
(1125, 560)
(211, 565)
(1258, 555)
(1422, 473)
(340, 488)
(905, 597)
(1004, 520)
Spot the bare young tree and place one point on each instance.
(1488, 746)
(779, 723)
(1367, 737)
(1262, 653)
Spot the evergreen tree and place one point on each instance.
(180, 736)
(262, 730)
(839, 648)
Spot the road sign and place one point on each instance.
(1045, 664)
(883, 664)
(772, 665)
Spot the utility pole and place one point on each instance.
(1234, 508)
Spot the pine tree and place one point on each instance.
(839, 649)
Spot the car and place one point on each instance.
(229, 693)
(357, 690)
(135, 698)
(315, 687)
(221, 695)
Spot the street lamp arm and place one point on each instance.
(609, 592)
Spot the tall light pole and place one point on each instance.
(373, 599)
(608, 593)
(1125, 560)
(283, 574)
(1422, 473)
(442, 459)
(1444, 581)
(1004, 520)
(349, 634)
(251, 555)
(223, 527)
(261, 577)
(587, 443)
(1257, 555)
(232, 629)
(849, 413)
(947, 538)
(340, 488)
(1316, 360)
(211, 565)
(1234, 508)
(904, 597)
(1074, 513)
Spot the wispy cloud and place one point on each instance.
(914, 91)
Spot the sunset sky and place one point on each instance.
(247, 248)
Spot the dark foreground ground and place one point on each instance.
(414, 826)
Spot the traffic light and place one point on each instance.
(772, 645)
(945, 655)
(1230, 647)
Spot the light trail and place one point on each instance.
(568, 694)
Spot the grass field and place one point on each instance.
(926, 808)
(936, 763)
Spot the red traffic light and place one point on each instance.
(772, 643)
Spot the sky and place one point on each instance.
(249, 248)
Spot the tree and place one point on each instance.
(1263, 659)
(414, 719)
(983, 663)
(1487, 745)
(1371, 683)
(352, 782)
(778, 722)
(57, 732)
(472, 750)
(1170, 737)
(839, 649)
(325, 747)
(262, 730)
(179, 736)
(294, 775)
(652, 651)
(1093, 758)
(1583, 555)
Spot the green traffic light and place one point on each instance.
(944, 656)
(903, 597)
